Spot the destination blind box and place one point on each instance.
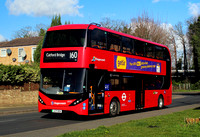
(60, 56)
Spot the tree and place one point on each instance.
(24, 33)
(182, 38)
(56, 20)
(41, 29)
(37, 52)
(116, 25)
(29, 31)
(42, 32)
(174, 45)
(148, 28)
(194, 41)
(68, 22)
(179, 64)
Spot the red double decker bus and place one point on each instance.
(91, 70)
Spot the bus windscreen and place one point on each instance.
(65, 38)
(62, 81)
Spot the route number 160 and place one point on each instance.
(73, 55)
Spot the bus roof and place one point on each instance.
(85, 26)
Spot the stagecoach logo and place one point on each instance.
(97, 59)
(121, 62)
(124, 96)
(58, 103)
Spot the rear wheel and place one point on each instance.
(113, 107)
(160, 102)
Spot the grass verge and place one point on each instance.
(166, 125)
(182, 90)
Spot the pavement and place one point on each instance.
(18, 110)
(34, 108)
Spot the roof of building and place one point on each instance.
(22, 42)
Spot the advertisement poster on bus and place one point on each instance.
(127, 63)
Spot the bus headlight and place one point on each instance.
(76, 102)
(40, 100)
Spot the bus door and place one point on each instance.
(139, 98)
(96, 92)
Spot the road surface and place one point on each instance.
(40, 124)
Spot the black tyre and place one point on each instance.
(160, 102)
(113, 108)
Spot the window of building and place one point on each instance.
(21, 56)
(3, 52)
(33, 51)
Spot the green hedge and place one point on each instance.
(13, 74)
(195, 86)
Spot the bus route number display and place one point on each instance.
(60, 56)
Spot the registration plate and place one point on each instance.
(56, 111)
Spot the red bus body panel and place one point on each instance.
(151, 97)
(125, 98)
(62, 105)
(105, 60)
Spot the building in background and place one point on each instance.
(18, 51)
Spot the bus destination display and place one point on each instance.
(61, 56)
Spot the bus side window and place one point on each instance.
(115, 84)
(150, 52)
(159, 52)
(98, 39)
(112, 82)
(153, 82)
(114, 42)
(139, 48)
(166, 55)
(127, 46)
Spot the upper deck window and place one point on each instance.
(114, 42)
(127, 45)
(150, 52)
(65, 38)
(159, 52)
(139, 48)
(98, 39)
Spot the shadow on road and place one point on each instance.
(74, 116)
(197, 108)
(182, 101)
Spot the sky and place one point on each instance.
(17, 14)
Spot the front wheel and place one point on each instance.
(160, 102)
(113, 108)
